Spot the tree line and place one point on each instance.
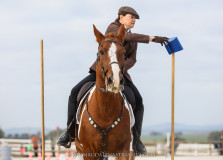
(50, 135)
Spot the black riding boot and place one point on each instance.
(68, 136)
(138, 146)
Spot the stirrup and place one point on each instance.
(138, 151)
(68, 144)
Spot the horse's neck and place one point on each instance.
(108, 98)
(107, 105)
(100, 80)
(105, 98)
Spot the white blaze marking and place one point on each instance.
(115, 67)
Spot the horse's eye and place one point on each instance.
(101, 52)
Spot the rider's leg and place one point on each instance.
(138, 113)
(68, 136)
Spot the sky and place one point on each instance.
(66, 28)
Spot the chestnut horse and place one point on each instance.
(104, 128)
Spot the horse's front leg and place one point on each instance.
(91, 154)
(126, 156)
(123, 157)
(131, 155)
(85, 154)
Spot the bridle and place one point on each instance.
(104, 72)
(104, 132)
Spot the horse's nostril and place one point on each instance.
(110, 80)
(122, 81)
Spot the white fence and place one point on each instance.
(154, 149)
(16, 145)
(183, 149)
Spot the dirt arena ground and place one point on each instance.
(145, 158)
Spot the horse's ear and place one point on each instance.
(121, 33)
(99, 36)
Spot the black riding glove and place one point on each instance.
(161, 40)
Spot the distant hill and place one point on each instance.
(24, 130)
(160, 128)
(185, 129)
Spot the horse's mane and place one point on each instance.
(110, 35)
(113, 36)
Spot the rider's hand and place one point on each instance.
(161, 40)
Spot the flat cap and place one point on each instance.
(126, 10)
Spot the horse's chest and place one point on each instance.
(117, 136)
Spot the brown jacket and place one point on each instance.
(130, 44)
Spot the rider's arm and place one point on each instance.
(130, 37)
(135, 37)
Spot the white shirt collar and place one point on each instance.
(128, 30)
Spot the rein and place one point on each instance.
(104, 72)
(104, 131)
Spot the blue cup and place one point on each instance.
(173, 45)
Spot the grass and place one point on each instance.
(195, 137)
(150, 138)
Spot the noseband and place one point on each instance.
(104, 72)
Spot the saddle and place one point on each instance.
(84, 89)
(127, 92)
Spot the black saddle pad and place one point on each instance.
(84, 89)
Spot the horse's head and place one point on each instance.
(110, 60)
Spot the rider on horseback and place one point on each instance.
(126, 16)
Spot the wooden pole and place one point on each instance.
(42, 99)
(172, 125)
(222, 142)
(58, 134)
